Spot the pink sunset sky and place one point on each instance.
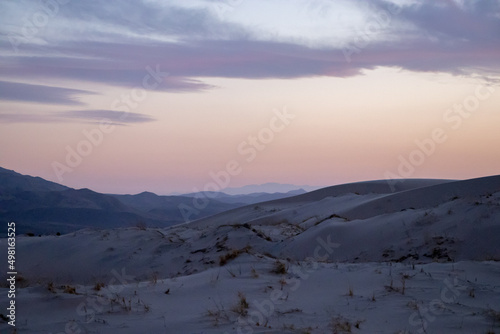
(173, 96)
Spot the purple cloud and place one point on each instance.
(113, 116)
(89, 116)
(192, 44)
(14, 91)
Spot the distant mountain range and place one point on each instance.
(268, 188)
(39, 206)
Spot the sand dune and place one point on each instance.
(334, 258)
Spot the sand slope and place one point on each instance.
(358, 257)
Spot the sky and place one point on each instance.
(183, 96)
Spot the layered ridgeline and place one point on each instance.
(421, 221)
(419, 256)
(43, 207)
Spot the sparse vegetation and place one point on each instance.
(261, 234)
(242, 305)
(223, 259)
(154, 277)
(330, 217)
(141, 225)
(403, 283)
(218, 314)
(70, 289)
(493, 314)
(274, 288)
(392, 288)
(350, 292)
(412, 304)
(254, 273)
(228, 256)
(282, 283)
(231, 272)
(280, 268)
(341, 324)
(50, 287)
(214, 278)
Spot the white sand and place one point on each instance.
(423, 259)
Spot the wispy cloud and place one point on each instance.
(193, 44)
(117, 117)
(17, 117)
(88, 116)
(14, 91)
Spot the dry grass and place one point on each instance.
(51, 287)
(70, 289)
(223, 259)
(341, 324)
(98, 286)
(154, 277)
(241, 306)
(254, 273)
(279, 268)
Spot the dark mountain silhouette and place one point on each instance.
(43, 207)
(12, 181)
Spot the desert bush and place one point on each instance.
(350, 292)
(340, 324)
(218, 315)
(279, 268)
(70, 289)
(223, 259)
(242, 305)
(98, 286)
(51, 287)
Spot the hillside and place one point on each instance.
(11, 181)
(356, 256)
(43, 207)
